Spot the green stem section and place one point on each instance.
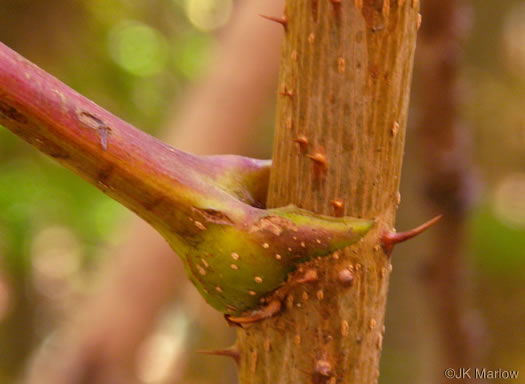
(344, 88)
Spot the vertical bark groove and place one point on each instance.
(344, 85)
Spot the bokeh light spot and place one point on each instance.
(56, 255)
(138, 48)
(509, 200)
(160, 354)
(191, 53)
(208, 14)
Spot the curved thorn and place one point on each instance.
(389, 239)
(302, 140)
(286, 92)
(319, 159)
(281, 20)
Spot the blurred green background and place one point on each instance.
(137, 58)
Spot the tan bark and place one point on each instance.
(345, 78)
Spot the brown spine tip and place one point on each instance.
(318, 158)
(286, 92)
(232, 352)
(339, 206)
(302, 140)
(320, 163)
(389, 239)
(281, 20)
(419, 20)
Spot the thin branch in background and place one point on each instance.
(447, 177)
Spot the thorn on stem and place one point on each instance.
(286, 92)
(318, 158)
(302, 140)
(281, 20)
(389, 239)
(320, 163)
(232, 352)
(339, 206)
